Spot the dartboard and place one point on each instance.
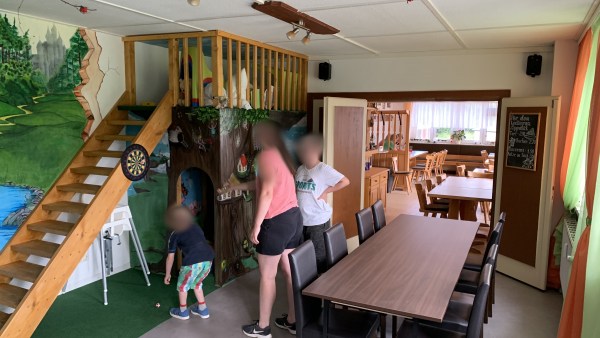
(135, 162)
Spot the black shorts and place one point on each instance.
(281, 232)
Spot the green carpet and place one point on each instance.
(130, 312)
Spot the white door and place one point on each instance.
(344, 125)
(525, 185)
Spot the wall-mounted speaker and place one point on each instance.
(534, 65)
(325, 71)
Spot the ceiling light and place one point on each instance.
(292, 34)
(194, 2)
(306, 39)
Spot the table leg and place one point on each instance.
(394, 327)
(382, 325)
(468, 210)
(326, 305)
(454, 209)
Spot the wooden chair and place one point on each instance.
(486, 207)
(430, 208)
(399, 175)
(485, 156)
(475, 174)
(439, 179)
(461, 170)
(424, 172)
(442, 161)
(430, 185)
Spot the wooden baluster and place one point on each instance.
(276, 90)
(254, 79)
(239, 74)
(186, 73)
(200, 72)
(288, 83)
(268, 74)
(229, 73)
(294, 87)
(305, 85)
(174, 69)
(248, 73)
(262, 79)
(217, 67)
(130, 83)
(283, 82)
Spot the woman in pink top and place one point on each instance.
(277, 226)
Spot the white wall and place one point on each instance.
(466, 71)
(152, 72)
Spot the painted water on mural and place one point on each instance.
(13, 199)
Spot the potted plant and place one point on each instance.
(458, 135)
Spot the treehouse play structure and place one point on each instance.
(213, 68)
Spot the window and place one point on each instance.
(436, 121)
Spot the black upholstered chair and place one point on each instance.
(502, 217)
(364, 221)
(463, 319)
(469, 279)
(475, 261)
(342, 323)
(378, 215)
(336, 246)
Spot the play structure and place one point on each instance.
(235, 73)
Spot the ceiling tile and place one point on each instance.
(519, 36)
(323, 47)
(386, 19)
(410, 42)
(469, 14)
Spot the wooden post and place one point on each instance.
(239, 73)
(130, 71)
(276, 84)
(186, 73)
(217, 66)
(268, 75)
(200, 71)
(229, 73)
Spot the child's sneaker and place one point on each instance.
(195, 310)
(253, 330)
(283, 323)
(177, 313)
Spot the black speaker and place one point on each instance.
(325, 71)
(534, 65)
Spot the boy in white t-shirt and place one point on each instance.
(314, 181)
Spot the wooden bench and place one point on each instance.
(471, 162)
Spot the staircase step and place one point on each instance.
(127, 122)
(21, 270)
(115, 137)
(11, 295)
(64, 206)
(103, 171)
(103, 153)
(37, 248)
(52, 227)
(3, 318)
(81, 188)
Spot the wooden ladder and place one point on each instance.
(84, 220)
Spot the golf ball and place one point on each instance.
(157, 304)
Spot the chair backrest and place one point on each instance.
(364, 221)
(478, 311)
(494, 238)
(336, 246)
(430, 185)
(378, 215)
(461, 170)
(444, 154)
(395, 163)
(439, 179)
(475, 174)
(421, 195)
(303, 266)
(429, 161)
(484, 155)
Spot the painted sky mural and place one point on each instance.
(41, 121)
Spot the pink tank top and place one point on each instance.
(270, 162)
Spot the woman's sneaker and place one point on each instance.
(253, 330)
(195, 310)
(177, 313)
(283, 323)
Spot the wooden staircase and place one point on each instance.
(79, 229)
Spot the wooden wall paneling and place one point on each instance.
(229, 73)
(238, 55)
(186, 73)
(217, 66)
(248, 98)
(269, 75)
(130, 84)
(254, 78)
(262, 78)
(200, 67)
(276, 90)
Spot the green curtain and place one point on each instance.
(574, 193)
(591, 303)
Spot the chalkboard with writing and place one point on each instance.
(521, 150)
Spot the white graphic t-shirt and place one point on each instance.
(310, 184)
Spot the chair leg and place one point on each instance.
(426, 214)
(444, 216)
(434, 215)
(408, 184)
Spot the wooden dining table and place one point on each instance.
(464, 193)
(407, 269)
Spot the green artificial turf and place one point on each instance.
(130, 312)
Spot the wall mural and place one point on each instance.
(43, 122)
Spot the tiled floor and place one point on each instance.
(520, 310)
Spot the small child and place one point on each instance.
(197, 258)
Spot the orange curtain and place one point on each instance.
(572, 313)
(582, 64)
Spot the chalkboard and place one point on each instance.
(521, 150)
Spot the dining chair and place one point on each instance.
(461, 170)
(467, 281)
(443, 160)
(424, 172)
(309, 310)
(400, 175)
(336, 246)
(439, 179)
(378, 215)
(430, 185)
(365, 224)
(475, 260)
(484, 156)
(464, 316)
(430, 208)
(475, 174)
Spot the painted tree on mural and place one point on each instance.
(19, 81)
(67, 77)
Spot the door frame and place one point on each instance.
(535, 276)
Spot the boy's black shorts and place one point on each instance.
(281, 232)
